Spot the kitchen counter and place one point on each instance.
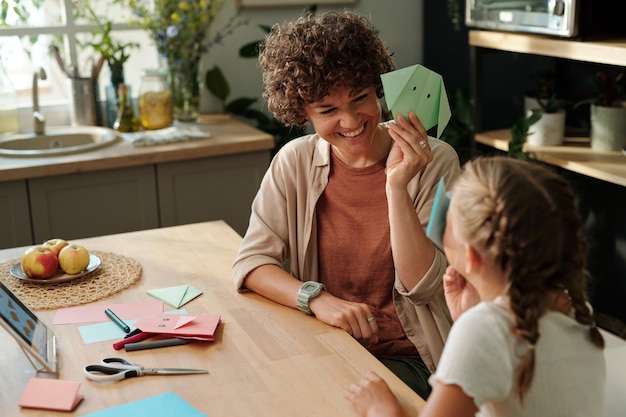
(122, 188)
(227, 137)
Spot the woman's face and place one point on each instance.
(347, 120)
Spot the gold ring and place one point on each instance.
(422, 143)
(371, 319)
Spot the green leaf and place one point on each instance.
(250, 50)
(240, 105)
(216, 83)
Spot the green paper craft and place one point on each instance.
(437, 223)
(176, 296)
(420, 90)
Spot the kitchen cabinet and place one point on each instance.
(210, 189)
(575, 155)
(93, 203)
(15, 229)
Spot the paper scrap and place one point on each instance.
(51, 394)
(176, 296)
(437, 223)
(162, 405)
(95, 313)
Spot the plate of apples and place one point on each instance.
(54, 261)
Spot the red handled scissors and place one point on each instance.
(117, 369)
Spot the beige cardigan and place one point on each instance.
(283, 229)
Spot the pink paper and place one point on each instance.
(51, 394)
(95, 313)
(200, 326)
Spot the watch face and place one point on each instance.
(309, 286)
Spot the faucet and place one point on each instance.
(38, 118)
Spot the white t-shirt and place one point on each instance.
(481, 356)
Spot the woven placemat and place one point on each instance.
(116, 272)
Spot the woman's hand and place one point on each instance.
(460, 294)
(410, 152)
(372, 398)
(355, 318)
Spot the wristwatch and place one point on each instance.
(308, 291)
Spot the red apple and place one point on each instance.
(73, 259)
(39, 262)
(56, 245)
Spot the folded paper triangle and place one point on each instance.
(437, 223)
(176, 296)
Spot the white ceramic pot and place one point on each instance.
(549, 130)
(608, 127)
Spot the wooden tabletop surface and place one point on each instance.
(267, 360)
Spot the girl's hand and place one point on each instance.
(460, 294)
(355, 318)
(372, 398)
(410, 152)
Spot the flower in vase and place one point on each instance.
(182, 32)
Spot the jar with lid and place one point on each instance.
(9, 121)
(155, 100)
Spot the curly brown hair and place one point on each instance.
(303, 60)
(523, 217)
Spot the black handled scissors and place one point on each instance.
(117, 369)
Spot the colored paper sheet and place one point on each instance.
(95, 313)
(51, 394)
(100, 332)
(176, 296)
(420, 90)
(199, 326)
(437, 223)
(162, 405)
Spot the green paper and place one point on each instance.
(176, 296)
(420, 90)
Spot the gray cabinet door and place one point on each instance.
(15, 228)
(219, 188)
(94, 203)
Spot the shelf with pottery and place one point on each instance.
(575, 154)
(123, 188)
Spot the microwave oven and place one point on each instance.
(565, 18)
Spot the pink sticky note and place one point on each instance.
(51, 394)
(95, 313)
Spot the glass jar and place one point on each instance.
(155, 100)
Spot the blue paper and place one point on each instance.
(162, 405)
(437, 223)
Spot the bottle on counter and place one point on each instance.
(9, 121)
(155, 100)
(126, 120)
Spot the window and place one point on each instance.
(24, 47)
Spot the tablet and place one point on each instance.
(33, 336)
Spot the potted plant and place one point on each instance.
(549, 129)
(607, 112)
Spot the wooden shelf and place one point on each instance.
(612, 52)
(574, 155)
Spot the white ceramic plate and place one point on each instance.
(18, 272)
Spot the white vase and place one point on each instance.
(608, 127)
(549, 130)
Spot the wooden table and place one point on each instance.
(267, 360)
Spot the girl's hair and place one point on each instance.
(523, 218)
(304, 60)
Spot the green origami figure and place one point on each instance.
(420, 90)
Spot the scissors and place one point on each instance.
(117, 369)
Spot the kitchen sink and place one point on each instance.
(55, 141)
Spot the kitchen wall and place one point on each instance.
(399, 26)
